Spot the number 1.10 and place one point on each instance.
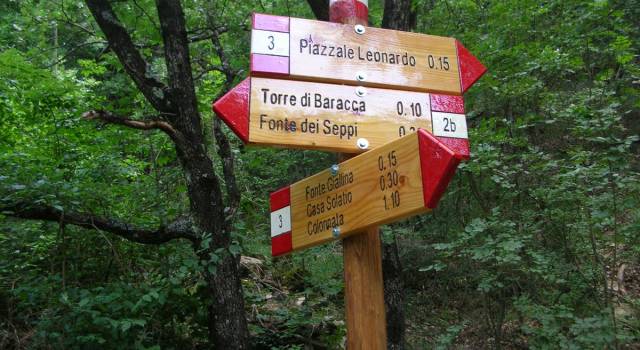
(393, 201)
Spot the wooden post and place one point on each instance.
(364, 291)
(364, 287)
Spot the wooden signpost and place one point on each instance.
(402, 178)
(401, 103)
(340, 118)
(302, 49)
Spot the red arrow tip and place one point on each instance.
(471, 69)
(233, 109)
(438, 164)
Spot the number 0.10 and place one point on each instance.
(416, 109)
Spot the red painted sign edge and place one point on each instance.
(283, 243)
(273, 23)
(233, 109)
(280, 198)
(269, 66)
(438, 164)
(447, 103)
(471, 69)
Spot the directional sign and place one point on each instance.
(309, 50)
(338, 118)
(402, 178)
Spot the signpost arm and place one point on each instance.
(364, 287)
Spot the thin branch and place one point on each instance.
(163, 234)
(76, 25)
(224, 151)
(156, 92)
(207, 34)
(146, 124)
(229, 72)
(74, 49)
(103, 52)
(206, 70)
(476, 193)
(150, 18)
(67, 19)
(224, 147)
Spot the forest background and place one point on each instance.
(535, 245)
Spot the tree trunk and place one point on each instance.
(227, 322)
(398, 15)
(179, 117)
(393, 296)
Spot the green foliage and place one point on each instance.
(117, 316)
(447, 339)
(545, 206)
(559, 327)
(523, 251)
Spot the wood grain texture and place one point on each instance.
(441, 77)
(349, 117)
(364, 292)
(368, 196)
(362, 260)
